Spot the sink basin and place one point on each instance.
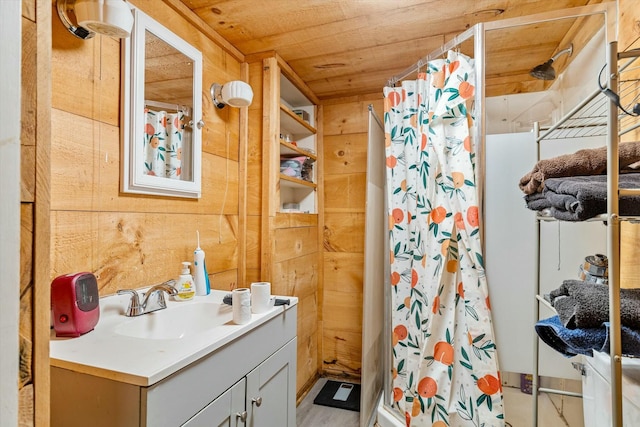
(176, 321)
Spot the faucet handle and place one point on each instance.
(134, 309)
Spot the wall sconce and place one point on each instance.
(235, 94)
(109, 17)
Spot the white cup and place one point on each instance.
(241, 306)
(260, 297)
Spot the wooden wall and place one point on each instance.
(629, 38)
(345, 159)
(281, 248)
(34, 213)
(131, 241)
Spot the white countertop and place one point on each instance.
(105, 353)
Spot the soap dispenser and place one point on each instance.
(185, 286)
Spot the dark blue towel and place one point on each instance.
(571, 342)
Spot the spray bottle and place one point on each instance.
(200, 277)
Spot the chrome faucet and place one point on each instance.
(153, 299)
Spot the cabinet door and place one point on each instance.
(271, 390)
(227, 410)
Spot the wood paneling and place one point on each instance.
(29, 115)
(347, 118)
(344, 232)
(41, 304)
(629, 255)
(345, 154)
(289, 244)
(28, 173)
(345, 193)
(342, 48)
(29, 9)
(133, 250)
(86, 78)
(628, 37)
(343, 272)
(297, 276)
(628, 23)
(86, 173)
(342, 351)
(226, 280)
(345, 158)
(131, 241)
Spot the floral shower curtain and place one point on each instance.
(163, 143)
(445, 369)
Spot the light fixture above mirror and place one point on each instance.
(108, 17)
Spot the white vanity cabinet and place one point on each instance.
(265, 398)
(271, 390)
(214, 390)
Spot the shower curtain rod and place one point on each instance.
(175, 107)
(457, 40)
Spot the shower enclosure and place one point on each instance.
(472, 43)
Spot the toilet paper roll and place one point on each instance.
(241, 299)
(260, 296)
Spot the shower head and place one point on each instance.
(545, 71)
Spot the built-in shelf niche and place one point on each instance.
(297, 138)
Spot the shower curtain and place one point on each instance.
(445, 369)
(163, 143)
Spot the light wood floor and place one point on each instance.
(566, 413)
(310, 415)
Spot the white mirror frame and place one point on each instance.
(134, 180)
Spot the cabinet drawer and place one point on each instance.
(175, 399)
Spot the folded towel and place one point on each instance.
(571, 342)
(578, 198)
(583, 304)
(588, 161)
(537, 202)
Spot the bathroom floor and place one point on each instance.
(556, 411)
(310, 415)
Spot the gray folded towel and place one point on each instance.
(577, 198)
(537, 202)
(586, 305)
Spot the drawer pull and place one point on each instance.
(242, 415)
(257, 401)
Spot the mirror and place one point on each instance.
(162, 111)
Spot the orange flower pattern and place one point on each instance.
(163, 143)
(445, 369)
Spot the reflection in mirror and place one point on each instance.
(162, 110)
(168, 101)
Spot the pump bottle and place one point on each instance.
(185, 286)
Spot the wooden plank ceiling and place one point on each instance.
(352, 47)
